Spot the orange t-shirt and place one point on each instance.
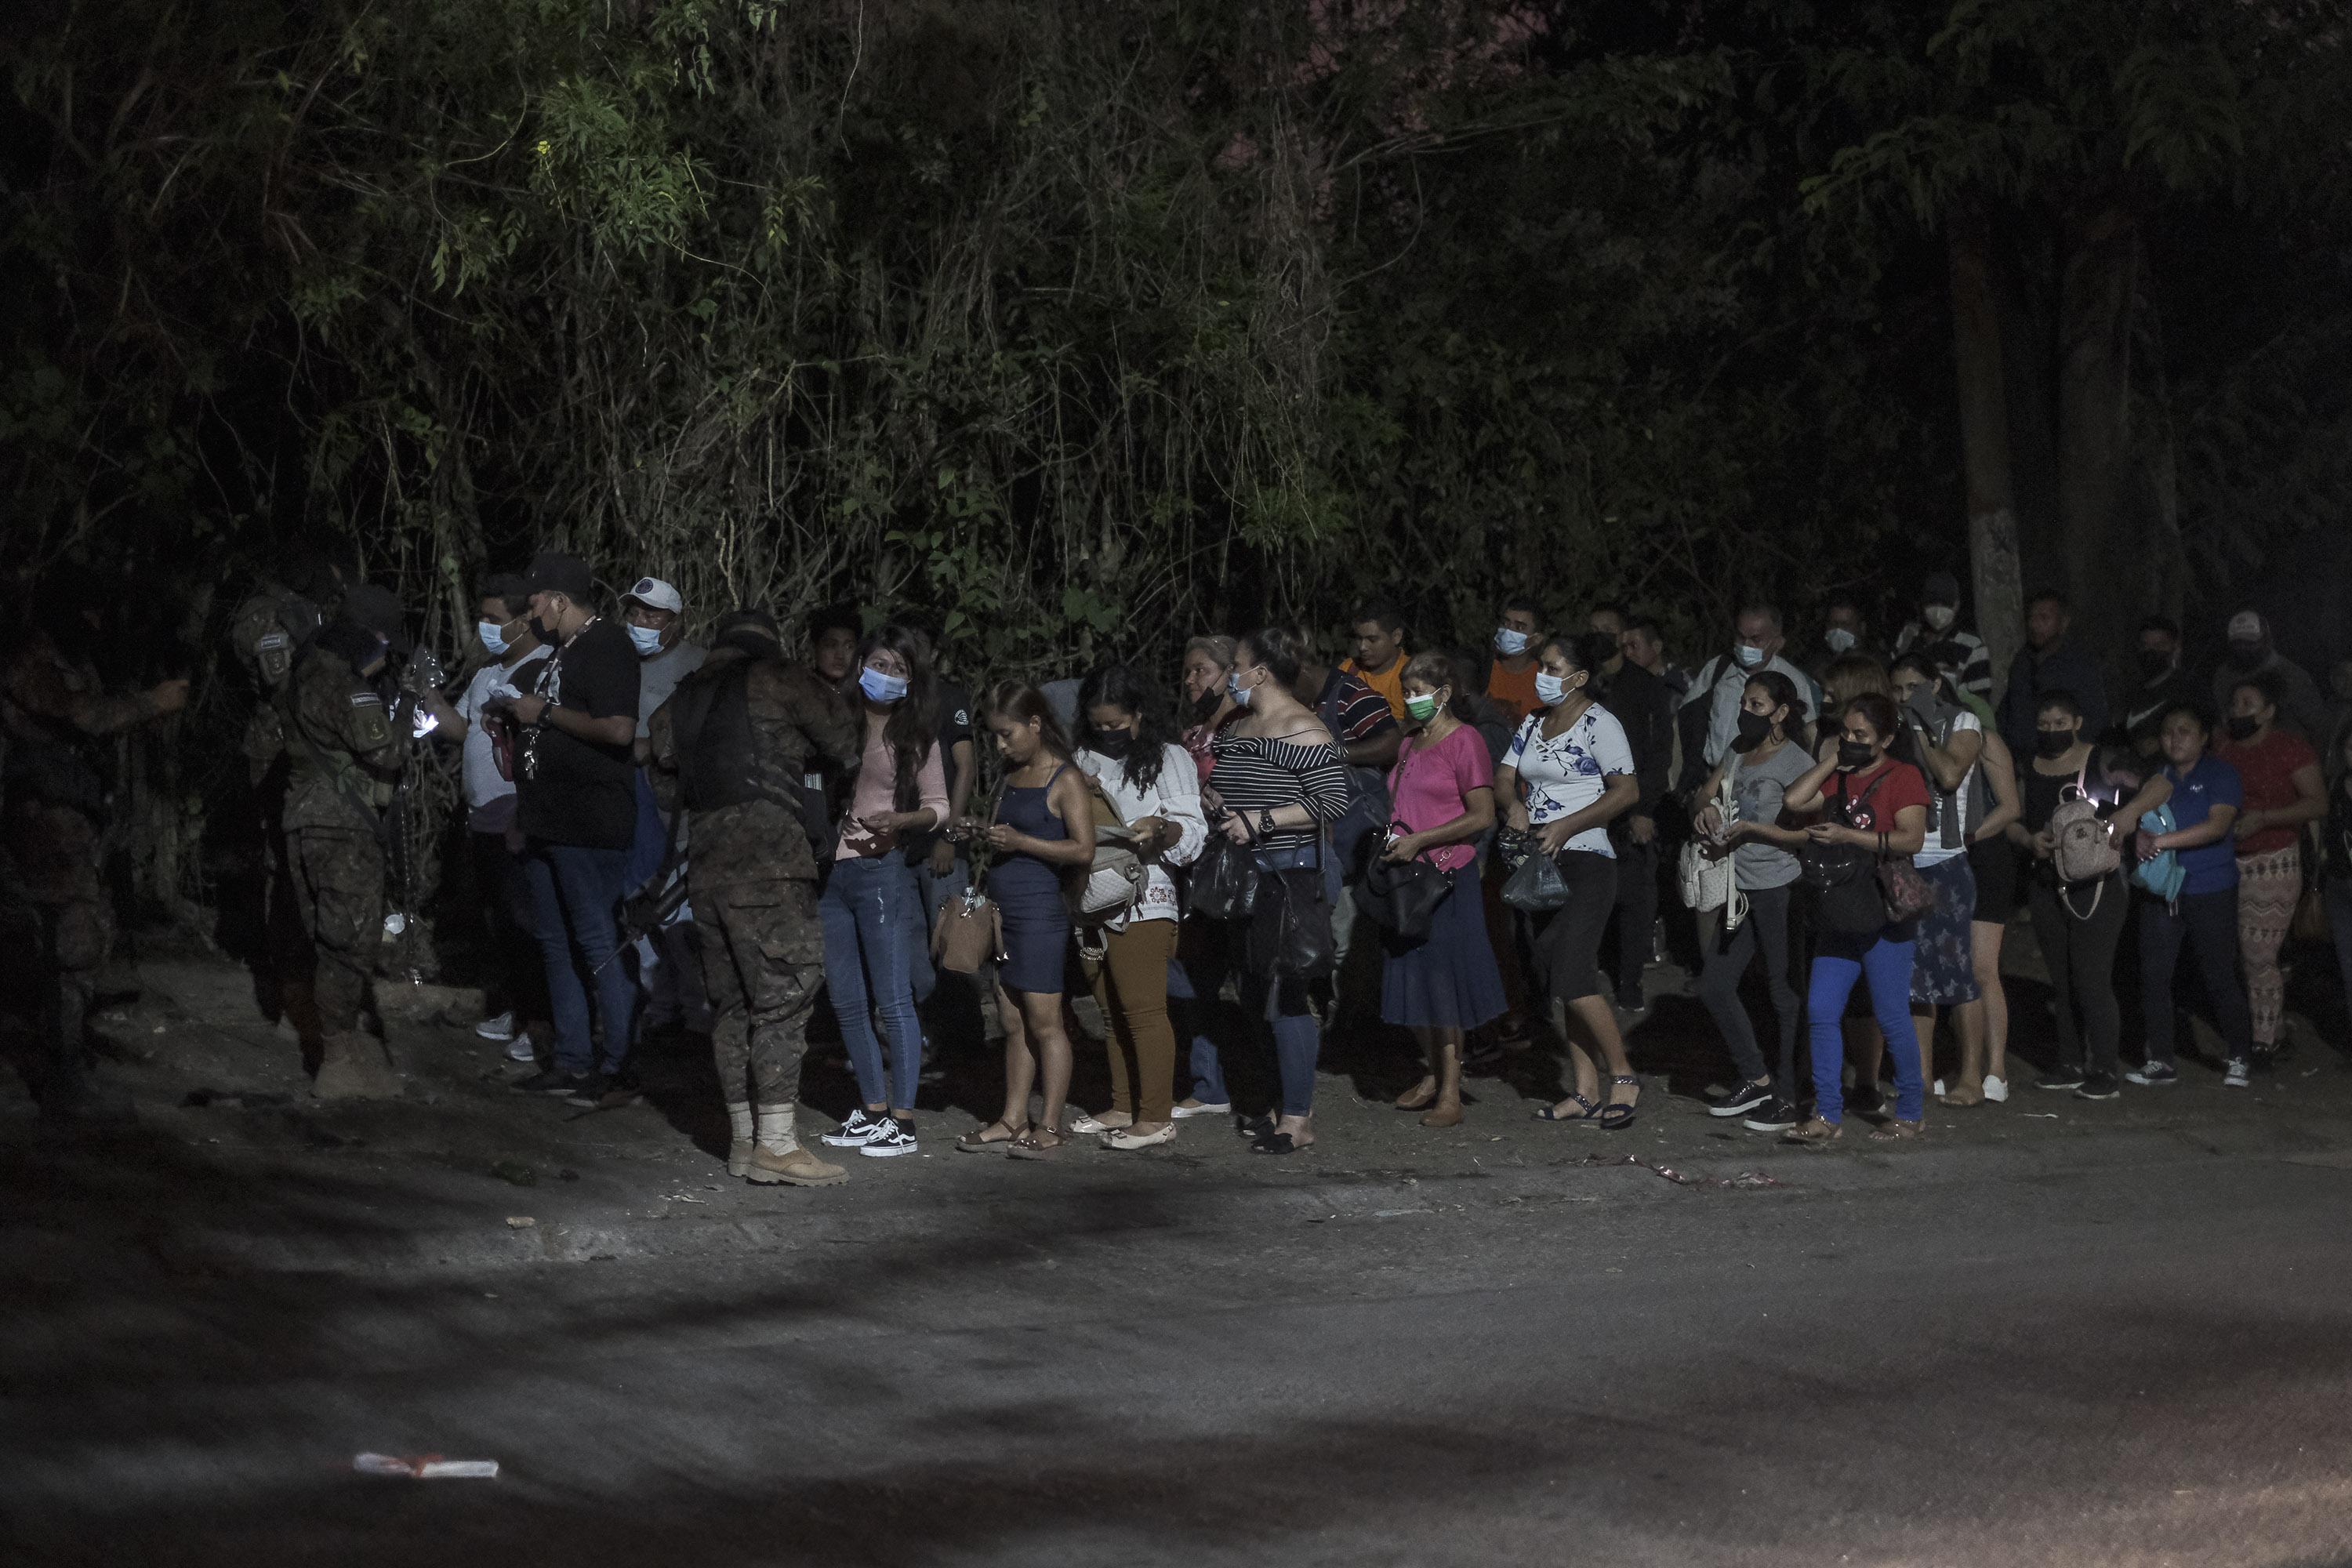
(1389, 683)
(1513, 693)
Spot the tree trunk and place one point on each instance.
(1984, 437)
(2098, 285)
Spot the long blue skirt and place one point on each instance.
(1448, 979)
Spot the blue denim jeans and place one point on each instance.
(575, 897)
(873, 918)
(1837, 964)
(2208, 923)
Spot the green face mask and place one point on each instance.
(1423, 709)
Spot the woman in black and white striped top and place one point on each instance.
(1278, 778)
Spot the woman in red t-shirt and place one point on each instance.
(2284, 790)
(1875, 802)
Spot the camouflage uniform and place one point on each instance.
(268, 633)
(344, 748)
(52, 832)
(753, 877)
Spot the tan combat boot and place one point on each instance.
(352, 1067)
(779, 1157)
(800, 1169)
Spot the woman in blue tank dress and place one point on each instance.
(1044, 831)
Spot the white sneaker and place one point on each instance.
(500, 1028)
(2234, 1076)
(1996, 1089)
(1183, 1110)
(520, 1049)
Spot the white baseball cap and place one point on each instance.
(654, 594)
(2245, 627)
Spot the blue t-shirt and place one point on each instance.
(2208, 867)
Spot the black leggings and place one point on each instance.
(2080, 955)
(1567, 941)
(1766, 928)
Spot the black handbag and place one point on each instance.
(1402, 896)
(1290, 927)
(1537, 886)
(1224, 879)
(1843, 878)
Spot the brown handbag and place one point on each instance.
(969, 933)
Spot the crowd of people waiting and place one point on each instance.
(1464, 846)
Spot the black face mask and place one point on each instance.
(2054, 743)
(2155, 664)
(2246, 655)
(1114, 743)
(2242, 726)
(1753, 727)
(1204, 705)
(1852, 754)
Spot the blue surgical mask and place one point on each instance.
(493, 636)
(1510, 644)
(1749, 657)
(881, 687)
(1840, 639)
(648, 640)
(1549, 688)
(1236, 691)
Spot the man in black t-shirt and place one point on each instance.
(575, 787)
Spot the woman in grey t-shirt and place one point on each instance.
(1771, 752)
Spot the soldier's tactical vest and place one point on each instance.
(711, 725)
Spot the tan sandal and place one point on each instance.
(1817, 1133)
(1895, 1132)
(1028, 1146)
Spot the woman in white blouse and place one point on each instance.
(1128, 748)
(1568, 774)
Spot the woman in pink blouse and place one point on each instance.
(1442, 792)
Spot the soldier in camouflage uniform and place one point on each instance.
(269, 632)
(346, 745)
(733, 746)
(52, 833)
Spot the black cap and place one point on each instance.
(751, 617)
(553, 571)
(1941, 588)
(377, 608)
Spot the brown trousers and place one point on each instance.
(1131, 987)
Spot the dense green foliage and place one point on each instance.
(1079, 325)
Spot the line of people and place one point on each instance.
(1458, 846)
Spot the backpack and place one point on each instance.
(2164, 874)
(2082, 849)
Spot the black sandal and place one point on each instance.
(1274, 1143)
(1613, 1118)
(1551, 1112)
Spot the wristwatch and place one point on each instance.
(1265, 828)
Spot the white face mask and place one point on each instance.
(1938, 618)
(1510, 643)
(648, 640)
(1750, 655)
(493, 636)
(1550, 689)
(1840, 639)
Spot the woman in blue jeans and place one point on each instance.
(1874, 803)
(871, 909)
(1278, 780)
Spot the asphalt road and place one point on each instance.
(2045, 1339)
